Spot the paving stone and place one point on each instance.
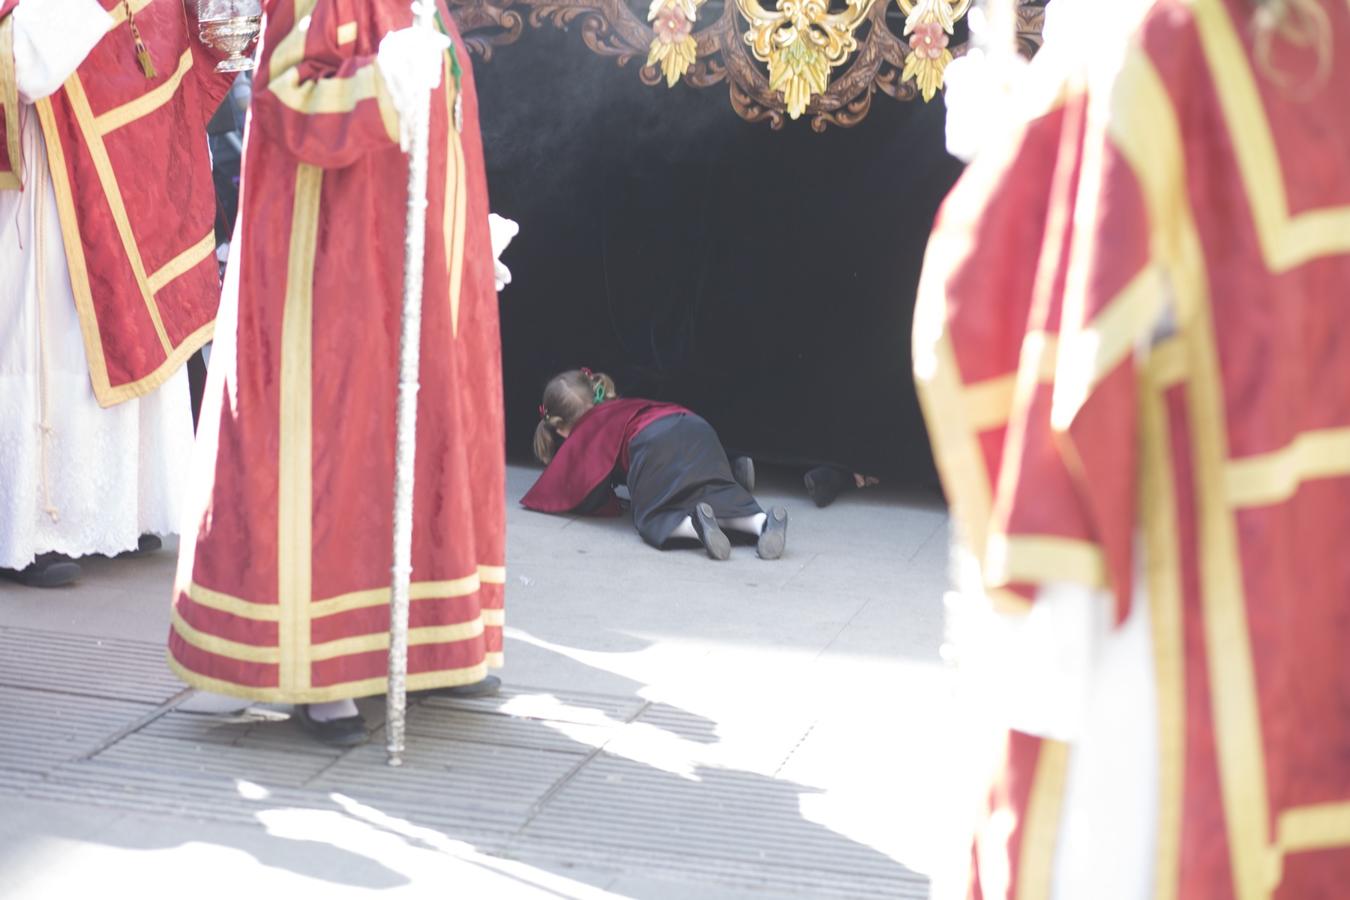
(44, 729)
(88, 666)
(745, 827)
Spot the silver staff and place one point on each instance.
(409, 363)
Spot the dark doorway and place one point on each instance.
(765, 279)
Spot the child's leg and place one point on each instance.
(706, 531)
(771, 529)
(685, 530)
(773, 539)
(710, 533)
(745, 524)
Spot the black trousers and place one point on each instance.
(674, 464)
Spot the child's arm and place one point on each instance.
(600, 502)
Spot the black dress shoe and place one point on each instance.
(825, 483)
(145, 544)
(743, 470)
(773, 539)
(49, 570)
(709, 533)
(490, 686)
(348, 732)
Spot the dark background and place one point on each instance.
(764, 278)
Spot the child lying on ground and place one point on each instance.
(678, 475)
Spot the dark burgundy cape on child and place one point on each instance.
(671, 459)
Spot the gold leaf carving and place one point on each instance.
(929, 25)
(673, 47)
(797, 59)
(801, 40)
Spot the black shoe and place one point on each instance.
(825, 483)
(348, 732)
(490, 686)
(773, 539)
(710, 533)
(743, 470)
(49, 570)
(145, 545)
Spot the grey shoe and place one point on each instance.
(743, 470)
(773, 539)
(710, 533)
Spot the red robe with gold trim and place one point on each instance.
(133, 185)
(283, 589)
(1134, 354)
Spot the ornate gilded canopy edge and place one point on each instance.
(803, 57)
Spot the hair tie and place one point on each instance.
(599, 392)
(587, 372)
(543, 411)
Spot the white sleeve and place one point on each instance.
(51, 39)
(1035, 669)
(503, 231)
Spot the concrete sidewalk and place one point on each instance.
(672, 727)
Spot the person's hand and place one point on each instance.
(502, 231)
(979, 92)
(51, 41)
(410, 61)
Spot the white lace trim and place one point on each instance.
(111, 475)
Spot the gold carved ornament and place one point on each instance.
(803, 57)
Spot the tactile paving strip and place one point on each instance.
(525, 774)
(87, 666)
(44, 729)
(13, 783)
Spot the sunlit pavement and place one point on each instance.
(671, 727)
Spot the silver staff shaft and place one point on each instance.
(409, 361)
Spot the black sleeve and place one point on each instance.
(596, 499)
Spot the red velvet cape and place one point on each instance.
(590, 453)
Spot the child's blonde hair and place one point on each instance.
(567, 397)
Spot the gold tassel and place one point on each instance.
(143, 55)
